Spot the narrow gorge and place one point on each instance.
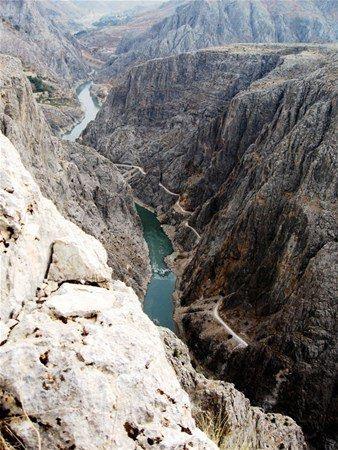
(158, 301)
(244, 135)
(168, 227)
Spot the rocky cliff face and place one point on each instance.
(31, 31)
(36, 31)
(242, 139)
(218, 407)
(80, 364)
(202, 23)
(86, 187)
(102, 41)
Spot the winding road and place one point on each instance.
(130, 166)
(167, 190)
(177, 204)
(240, 342)
(186, 224)
(238, 339)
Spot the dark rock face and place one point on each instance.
(86, 187)
(245, 135)
(200, 24)
(215, 398)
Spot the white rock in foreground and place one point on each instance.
(81, 366)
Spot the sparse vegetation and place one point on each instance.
(39, 85)
(8, 440)
(215, 426)
(176, 352)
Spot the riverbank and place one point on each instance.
(90, 106)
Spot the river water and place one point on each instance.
(158, 302)
(90, 106)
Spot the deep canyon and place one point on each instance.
(168, 225)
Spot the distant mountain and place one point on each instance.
(102, 40)
(85, 12)
(202, 23)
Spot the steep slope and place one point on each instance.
(29, 30)
(218, 405)
(86, 187)
(241, 138)
(36, 31)
(81, 366)
(102, 41)
(203, 23)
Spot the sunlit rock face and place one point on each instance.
(86, 187)
(81, 365)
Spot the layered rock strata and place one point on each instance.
(201, 23)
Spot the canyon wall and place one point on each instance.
(244, 135)
(201, 23)
(81, 366)
(86, 187)
(38, 32)
(30, 30)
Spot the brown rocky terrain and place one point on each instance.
(86, 187)
(244, 135)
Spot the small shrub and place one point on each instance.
(176, 353)
(39, 85)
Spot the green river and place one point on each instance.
(158, 302)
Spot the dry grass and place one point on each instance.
(214, 425)
(4, 444)
(8, 438)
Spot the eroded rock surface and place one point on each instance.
(30, 30)
(80, 364)
(221, 405)
(244, 135)
(201, 23)
(86, 187)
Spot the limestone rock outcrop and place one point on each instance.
(86, 187)
(81, 366)
(242, 138)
